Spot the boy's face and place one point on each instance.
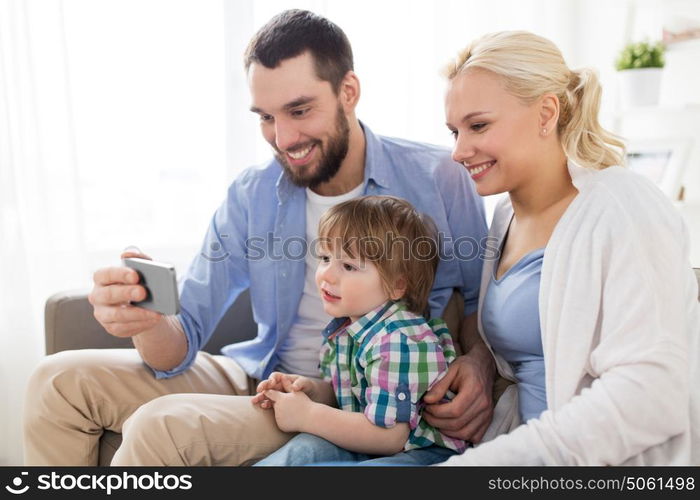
(348, 287)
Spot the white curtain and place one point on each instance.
(112, 125)
(41, 245)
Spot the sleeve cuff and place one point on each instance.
(391, 409)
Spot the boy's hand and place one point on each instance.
(283, 382)
(273, 382)
(292, 409)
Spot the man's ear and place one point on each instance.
(548, 114)
(349, 92)
(399, 289)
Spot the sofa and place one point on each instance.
(70, 324)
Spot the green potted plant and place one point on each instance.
(640, 66)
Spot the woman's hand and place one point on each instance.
(468, 415)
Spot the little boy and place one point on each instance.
(378, 258)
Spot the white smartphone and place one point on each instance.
(160, 283)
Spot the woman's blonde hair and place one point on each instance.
(532, 66)
(393, 235)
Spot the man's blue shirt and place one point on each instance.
(256, 240)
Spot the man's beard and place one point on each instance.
(330, 160)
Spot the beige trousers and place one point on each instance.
(201, 417)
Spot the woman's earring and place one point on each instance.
(544, 132)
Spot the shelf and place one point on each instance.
(693, 44)
(690, 109)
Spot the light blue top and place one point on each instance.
(256, 240)
(511, 322)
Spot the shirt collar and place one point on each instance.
(580, 176)
(284, 186)
(377, 161)
(358, 329)
(376, 167)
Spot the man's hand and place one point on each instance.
(468, 415)
(292, 409)
(283, 382)
(114, 288)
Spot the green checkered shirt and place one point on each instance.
(383, 364)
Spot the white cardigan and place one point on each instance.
(620, 325)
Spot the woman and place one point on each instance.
(591, 306)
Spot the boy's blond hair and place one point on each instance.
(391, 234)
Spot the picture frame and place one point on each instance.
(664, 161)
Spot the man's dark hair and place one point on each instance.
(293, 32)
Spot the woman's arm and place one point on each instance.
(295, 412)
(616, 328)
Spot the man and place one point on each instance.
(302, 84)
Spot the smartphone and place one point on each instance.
(159, 281)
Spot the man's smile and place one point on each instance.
(300, 156)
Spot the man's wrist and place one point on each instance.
(163, 346)
(478, 350)
(165, 326)
(481, 355)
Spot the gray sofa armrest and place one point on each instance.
(69, 324)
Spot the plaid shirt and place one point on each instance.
(383, 364)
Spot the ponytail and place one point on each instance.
(584, 141)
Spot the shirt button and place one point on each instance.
(284, 274)
(401, 396)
